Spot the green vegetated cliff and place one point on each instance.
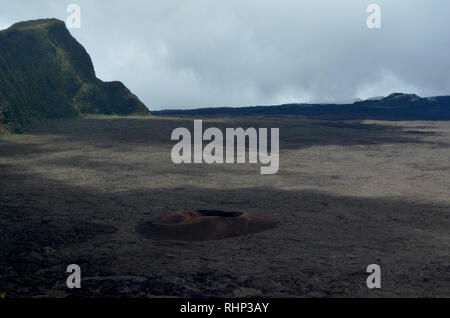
(45, 73)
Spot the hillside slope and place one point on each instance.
(45, 73)
(396, 106)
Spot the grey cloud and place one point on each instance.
(177, 53)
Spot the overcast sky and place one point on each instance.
(197, 53)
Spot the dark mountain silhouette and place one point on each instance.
(396, 106)
(45, 73)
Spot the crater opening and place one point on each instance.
(204, 225)
(224, 214)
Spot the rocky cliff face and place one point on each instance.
(45, 73)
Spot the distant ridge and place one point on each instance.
(397, 106)
(45, 73)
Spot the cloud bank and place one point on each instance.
(199, 53)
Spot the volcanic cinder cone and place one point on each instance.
(204, 225)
